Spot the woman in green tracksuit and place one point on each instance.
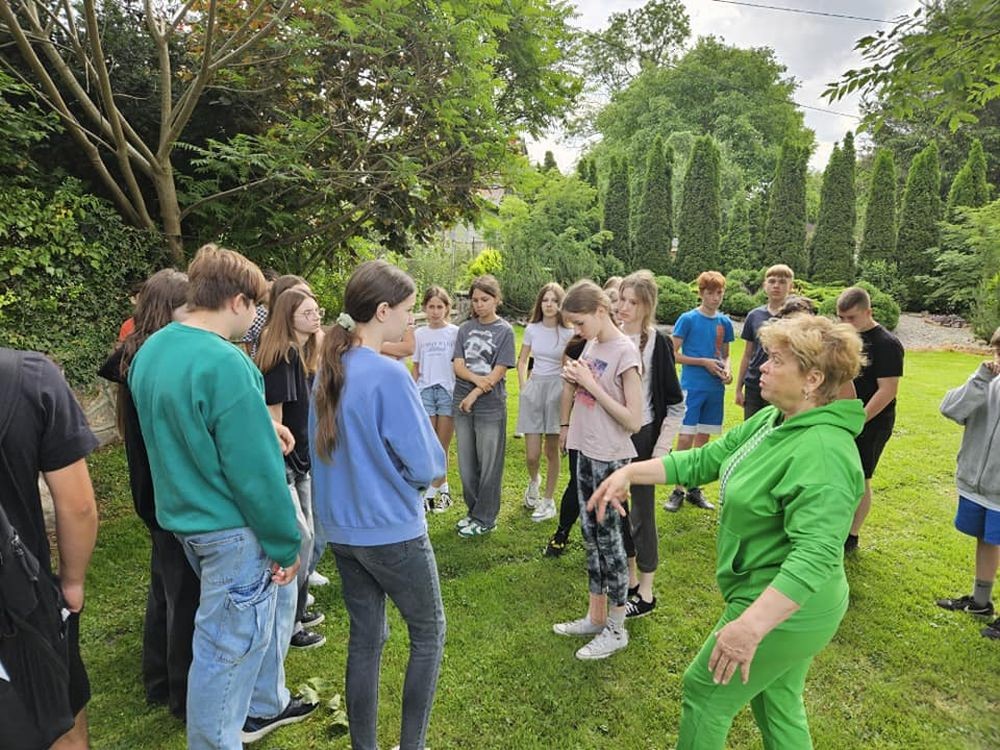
(790, 480)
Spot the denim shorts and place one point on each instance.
(977, 520)
(437, 401)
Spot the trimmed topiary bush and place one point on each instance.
(675, 298)
(884, 307)
(738, 303)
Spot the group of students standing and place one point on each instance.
(217, 444)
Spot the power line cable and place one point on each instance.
(827, 111)
(803, 11)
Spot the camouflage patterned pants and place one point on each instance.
(607, 565)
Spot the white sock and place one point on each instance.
(443, 488)
(431, 493)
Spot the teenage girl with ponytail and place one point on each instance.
(662, 413)
(374, 453)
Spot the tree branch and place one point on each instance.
(114, 114)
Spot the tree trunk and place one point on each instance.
(170, 212)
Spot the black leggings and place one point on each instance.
(569, 506)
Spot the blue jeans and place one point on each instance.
(406, 572)
(238, 665)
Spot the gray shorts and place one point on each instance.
(538, 406)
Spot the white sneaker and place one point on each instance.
(581, 627)
(318, 579)
(310, 600)
(463, 522)
(545, 510)
(604, 644)
(531, 495)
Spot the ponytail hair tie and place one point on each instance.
(346, 322)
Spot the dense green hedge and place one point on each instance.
(66, 265)
(675, 298)
(884, 307)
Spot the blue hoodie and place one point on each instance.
(369, 491)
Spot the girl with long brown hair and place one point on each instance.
(545, 339)
(374, 453)
(484, 351)
(287, 356)
(606, 410)
(662, 412)
(174, 589)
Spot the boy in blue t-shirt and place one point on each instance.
(701, 342)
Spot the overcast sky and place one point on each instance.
(814, 49)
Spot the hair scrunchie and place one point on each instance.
(346, 322)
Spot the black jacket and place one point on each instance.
(664, 383)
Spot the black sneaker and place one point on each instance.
(992, 630)
(675, 500)
(442, 501)
(697, 498)
(639, 607)
(311, 618)
(850, 544)
(306, 639)
(254, 727)
(633, 592)
(967, 604)
(556, 545)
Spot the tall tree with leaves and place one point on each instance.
(654, 224)
(757, 221)
(549, 163)
(700, 223)
(736, 243)
(616, 211)
(969, 188)
(831, 252)
(381, 119)
(918, 224)
(635, 40)
(878, 239)
(942, 59)
(785, 230)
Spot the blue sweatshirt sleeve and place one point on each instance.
(407, 431)
(254, 469)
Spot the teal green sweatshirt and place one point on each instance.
(213, 454)
(788, 492)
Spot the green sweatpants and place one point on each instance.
(774, 691)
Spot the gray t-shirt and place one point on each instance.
(483, 347)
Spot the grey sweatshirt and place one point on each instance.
(976, 406)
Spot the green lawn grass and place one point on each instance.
(901, 672)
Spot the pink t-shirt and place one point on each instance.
(592, 431)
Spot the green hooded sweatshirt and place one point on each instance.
(788, 492)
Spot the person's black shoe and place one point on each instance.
(967, 604)
(675, 501)
(992, 630)
(305, 639)
(639, 607)
(633, 592)
(697, 498)
(312, 618)
(556, 545)
(850, 544)
(254, 728)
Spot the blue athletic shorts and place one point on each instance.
(436, 400)
(703, 412)
(978, 521)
